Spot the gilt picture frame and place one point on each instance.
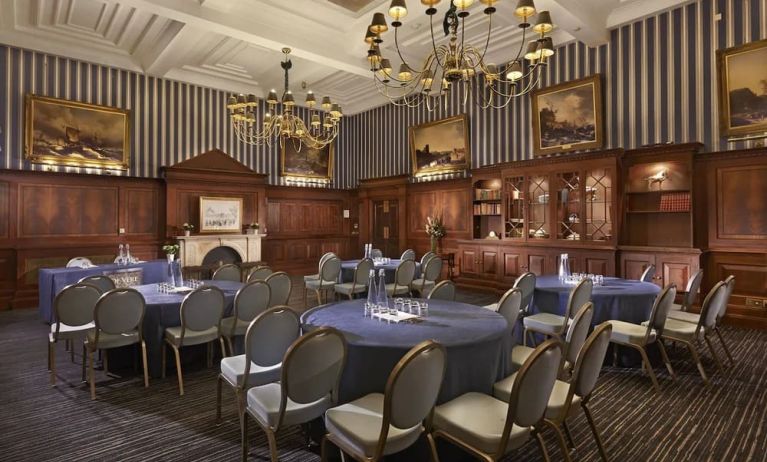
(306, 162)
(742, 76)
(220, 214)
(71, 133)
(568, 117)
(441, 146)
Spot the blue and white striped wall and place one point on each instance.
(659, 84)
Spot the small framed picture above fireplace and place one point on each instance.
(220, 214)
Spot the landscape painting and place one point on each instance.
(302, 161)
(568, 117)
(441, 146)
(743, 89)
(220, 214)
(77, 134)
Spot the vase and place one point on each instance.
(187, 232)
(252, 231)
(170, 258)
(434, 242)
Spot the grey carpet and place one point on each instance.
(686, 422)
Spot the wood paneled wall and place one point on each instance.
(450, 199)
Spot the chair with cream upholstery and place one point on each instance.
(638, 337)
(228, 272)
(260, 274)
(427, 256)
(266, 341)
(690, 294)
(376, 424)
(403, 277)
(201, 313)
(251, 300)
(104, 283)
(309, 381)
(510, 307)
(444, 290)
(429, 275)
(280, 286)
(73, 311)
(331, 269)
(359, 283)
(315, 276)
(576, 335)
(488, 427)
(690, 334)
(648, 274)
(553, 325)
(730, 281)
(408, 254)
(80, 262)
(118, 317)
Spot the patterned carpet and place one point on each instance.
(686, 422)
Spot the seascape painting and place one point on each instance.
(568, 117)
(743, 89)
(220, 214)
(299, 160)
(70, 133)
(441, 146)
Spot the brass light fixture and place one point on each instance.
(285, 125)
(456, 63)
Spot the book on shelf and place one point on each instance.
(487, 209)
(487, 194)
(675, 202)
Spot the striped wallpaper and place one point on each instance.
(659, 84)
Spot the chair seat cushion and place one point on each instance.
(684, 316)
(348, 288)
(478, 419)
(311, 277)
(558, 399)
(264, 405)
(233, 370)
(492, 306)
(107, 341)
(519, 355)
(627, 332)
(545, 323)
(676, 307)
(316, 284)
(69, 332)
(358, 424)
(422, 283)
(400, 289)
(191, 337)
(240, 328)
(680, 329)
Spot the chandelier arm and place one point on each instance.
(433, 42)
(487, 40)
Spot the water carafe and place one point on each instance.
(564, 267)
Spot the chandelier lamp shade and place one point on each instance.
(455, 63)
(280, 121)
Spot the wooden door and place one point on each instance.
(634, 264)
(536, 263)
(386, 227)
(489, 261)
(469, 263)
(676, 269)
(513, 264)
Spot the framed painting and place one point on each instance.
(302, 161)
(441, 146)
(568, 116)
(63, 132)
(743, 89)
(220, 214)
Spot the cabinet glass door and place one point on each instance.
(538, 226)
(515, 207)
(568, 206)
(599, 193)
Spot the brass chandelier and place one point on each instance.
(284, 125)
(457, 62)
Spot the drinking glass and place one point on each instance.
(424, 309)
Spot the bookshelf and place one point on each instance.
(487, 206)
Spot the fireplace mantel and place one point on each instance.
(194, 248)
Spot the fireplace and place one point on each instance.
(229, 248)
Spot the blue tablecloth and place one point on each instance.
(163, 310)
(478, 343)
(620, 299)
(348, 266)
(52, 280)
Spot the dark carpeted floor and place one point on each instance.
(686, 422)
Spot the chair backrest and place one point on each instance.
(260, 274)
(579, 296)
(104, 283)
(712, 304)
(426, 257)
(280, 284)
(432, 270)
(405, 273)
(660, 309)
(413, 385)
(444, 290)
(376, 253)
(228, 272)
(74, 305)
(324, 257)
(532, 387)
(119, 311)
(312, 367)
(577, 332)
(693, 285)
(202, 309)
(510, 306)
(526, 283)
(251, 300)
(408, 254)
(362, 271)
(269, 336)
(730, 281)
(330, 269)
(79, 262)
(648, 273)
(590, 360)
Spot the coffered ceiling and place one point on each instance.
(235, 44)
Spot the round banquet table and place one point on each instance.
(348, 266)
(620, 299)
(478, 343)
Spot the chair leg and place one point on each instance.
(432, 447)
(144, 363)
(713, 354)
(92, 373)
(542, 445)
(724, 345)
(319, 297)
(696, 358)
(164, 355)
(82, 373)
(594, 431)
(569, 435)
(72, 351)
(306, 297)
(223, 347)
(178, 371)
(666, 361)
(229, 344)
(272, 444)
(208, 355)
(324, 449)
(105, 361)
(219, 385)
(52, 362)
(560, 440)
(648, 367)
(244, 438)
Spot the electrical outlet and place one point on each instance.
(756, 303)
(121, 231)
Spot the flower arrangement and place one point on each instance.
(187, 227)
(436, 230)
(170, 249)
(253, 226)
